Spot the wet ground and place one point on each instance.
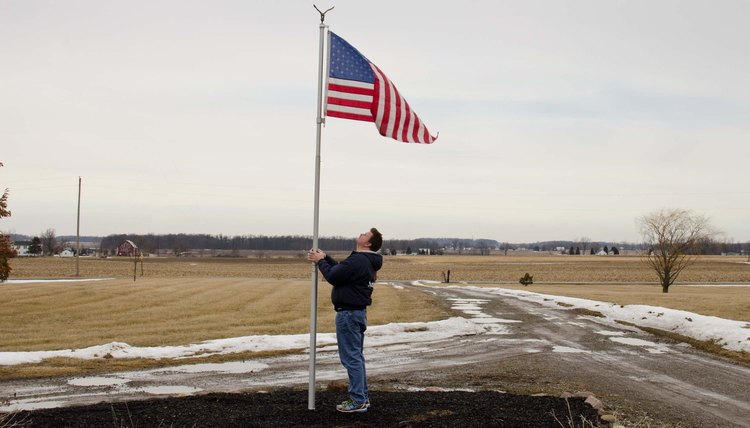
(288, 408)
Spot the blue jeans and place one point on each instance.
(350, 336)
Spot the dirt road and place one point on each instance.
(523, 347)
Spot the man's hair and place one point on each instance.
(376, 241)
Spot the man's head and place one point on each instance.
(371, 240)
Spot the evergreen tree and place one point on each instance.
(36, 246)
(6, 248)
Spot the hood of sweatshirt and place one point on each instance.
(375, 259)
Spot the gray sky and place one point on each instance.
(557, 119)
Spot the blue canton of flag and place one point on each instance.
(347, 63)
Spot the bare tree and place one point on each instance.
(585, 241)
(49, 241)
(672, 237)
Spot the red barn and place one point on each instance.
(127, 248)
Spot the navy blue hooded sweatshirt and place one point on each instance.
(352, 279)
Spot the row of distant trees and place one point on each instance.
(47, 243)
(180, 243)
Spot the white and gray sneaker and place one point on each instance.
(349, 406)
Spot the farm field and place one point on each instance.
(187, 300)
(545, 268)
(709, 287)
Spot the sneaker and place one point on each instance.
(367, 403)
(350, 406)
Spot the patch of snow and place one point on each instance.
(376, 335)
(465, 307)
(32, 405)
(30, 281)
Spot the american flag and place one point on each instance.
(358, 90)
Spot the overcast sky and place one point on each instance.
(557, 120)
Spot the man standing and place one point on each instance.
(352, 282)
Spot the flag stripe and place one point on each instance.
(364, 106)
(353, 114)
(347, 90)
(350, 83)
(353, 98)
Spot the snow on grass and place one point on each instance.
(376, 336)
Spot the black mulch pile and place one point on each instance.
(288, 408)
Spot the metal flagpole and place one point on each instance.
(314, 269)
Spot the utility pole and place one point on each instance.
(78, 232)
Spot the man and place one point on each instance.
(352, 282)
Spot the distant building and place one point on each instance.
(127, 249)
(22, 248)
(88, 248)
(68, 252)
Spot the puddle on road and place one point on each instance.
(97, 381)
(490, 320)
(466, 307)
(169, 389)
(228, 367)
(473, 308)
(610, 333)
(437, 389)
(569, 350)
(31, 405)
(654, 348)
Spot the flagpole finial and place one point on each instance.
(323, 14)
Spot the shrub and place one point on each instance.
(526, 280)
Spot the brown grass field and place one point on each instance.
(544, 267)
(169, 311)
(188, 300)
